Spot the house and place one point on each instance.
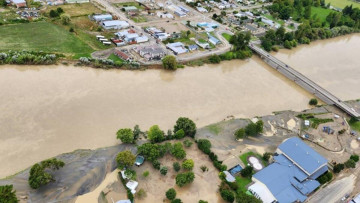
(130, 37)
(292, 175)
(193, 47)
(19, 3)
(270, 22)
(124, 56)
(213, 40)
(201, 9)
(183, 9)
(203, 45)
(132, 185)
(77, 1)
(177, 48)
(356, 199)
(102, 17)
(152, 52)
(141, 39)
(124, 201)
(118, 42)
(130, 9)
(114, 24)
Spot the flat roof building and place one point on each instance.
(177, 48)
(115, 24)
(102, 17)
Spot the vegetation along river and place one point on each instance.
(48, 110)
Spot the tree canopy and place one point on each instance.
(171, 194)
(125, 159)
(178, 151)
(39, 177)
(188, 164)
(187, 125)
(126, 135)
(184, 178)
(240, 40)
(8, 194)
(169, 62)
(155, 134)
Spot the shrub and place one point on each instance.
(71, 29)
(204, 145)
(184, 178)
(156, 164)
(163, 170)
(355, 157)
(266, 156)
(202, 201)
(188, 164)
(204, 168)
(171, 194)
(350, 163)
(155, 134)
(146, 174)
(213, 156)
(240, 133)
(180, 134)
(131, 174)
(338, 168)
(140, 194)
(247, 171)
(176, 201)
(176, 166)
(326, 177)
(342, 131)
(59, 10)
(227, 195)
(8, 194)
(187, 143)
(178, 151)
(214, 59)
(53, 14)
(313, 102)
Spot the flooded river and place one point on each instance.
(48, 110)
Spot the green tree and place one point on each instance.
(126, 135)
(266, 156)
(259, 126)
(313, 102)
(136, 132)
(182, 179)
(240, 133)
(180, 134)
(188, 164)
(155, 134)
(251, 129)
(131, 174)
(156, 164)
(169, 62)
(247, 171)
(53, 14)
(338, 168)
(242, 197)
(355, 157)
(59, 10)
(163, 170)
(227, 195)
(149, 151)
(171, 193)
(214, 59)
(204, 145)
(240, 40)
(176, 166)
(178, 151)
(287, 44)
(65, 19)
(38, 177)
(125, 159)
(176, 201)
(307, 14)
(187, 125)
(8, 194)
(350, 163)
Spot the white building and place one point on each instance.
(177, 48)
(115, 24)
(102, 17)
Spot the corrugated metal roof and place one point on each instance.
(302, 154)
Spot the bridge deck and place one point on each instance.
(304, 81)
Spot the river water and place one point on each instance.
(48, 110)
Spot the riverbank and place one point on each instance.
(87, 170)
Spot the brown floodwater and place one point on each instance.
(48, 110)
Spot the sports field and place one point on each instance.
(42, 36)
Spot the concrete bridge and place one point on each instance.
(303, 81)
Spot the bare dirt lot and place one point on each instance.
(205, 185)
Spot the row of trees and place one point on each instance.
(350, 163)
(252, 129)
(39, 174)
(27, 57)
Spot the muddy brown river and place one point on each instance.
(48, 110)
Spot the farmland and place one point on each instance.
(342, 3)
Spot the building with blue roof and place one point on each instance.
(292, 175)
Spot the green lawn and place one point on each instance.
(42, 36)
(226, 36)
(342, 3)
(115, 58)
(214, 128)
(242, 183)
(139, 19)
(322, 13)
(244, 157)
(270, 17)
(355, 126)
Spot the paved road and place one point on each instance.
(334, 191)
(305, 82)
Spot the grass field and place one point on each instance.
(270, 17)
(242, 183)
(73, 10)
(42, 36)
(355, 125)
(115, 58)
(139, 19)
(322, 13)
(126, 4)
(342, 3)
(226, 36)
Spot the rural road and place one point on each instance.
(334, 191)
